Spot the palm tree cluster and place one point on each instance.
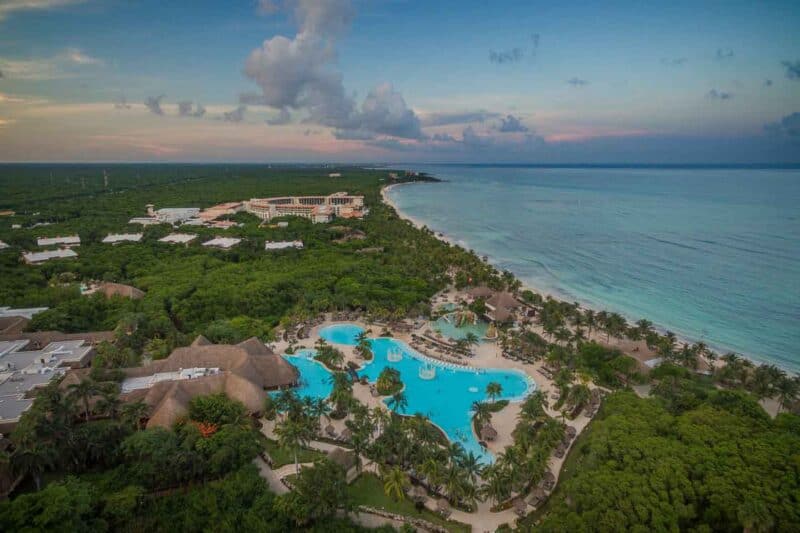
(74, 428)
(299, 421)
(764, 381)
(524, 463)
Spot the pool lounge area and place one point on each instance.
(441, 391)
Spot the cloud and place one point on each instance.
(460, 117)
(444, 138)
(236, 115)
(69, 63)
(714, 94)
(789, 126)
(506, 56)
(309, 132)
(354, 135)
(577, 82)
(284, 117)
(153, 103)
(9, 7)
(673, 61)
(187, 108)
(792, 69)
(767, 83)
(723, 54)
(298, 74)
(511, 124)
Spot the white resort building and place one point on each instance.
(222, 242)
(318, 209)
(33, 258)
(178, 238)
(71, 240)
(21, 372)
(116, 238)
(282, 245)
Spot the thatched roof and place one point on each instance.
(503, 300)
(118, 289)
(246, 370)
(480, 292)
(443, 506)
(201, 341)
(488, 432)
(10, 325)
(520, 507)
(330, 430)
(346, 434)
(571, 431)
(548, 477)
(342, 458)
(536, 496)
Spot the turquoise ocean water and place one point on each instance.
(710, 254)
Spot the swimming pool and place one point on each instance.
(447, 327)
(314, 377)
(446, 399)
(341, 334)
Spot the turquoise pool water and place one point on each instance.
(314, 377)
(446, 399)
(450, 331)
(341, 334)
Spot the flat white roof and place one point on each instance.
(27, 312)
(144, 221)
(3, 245)
(50, 241)
(121, 237)
(280, 245)
(145, 382)
(222, 242)
(38, 257)
(178, 238)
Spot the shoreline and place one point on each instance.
(680, 337)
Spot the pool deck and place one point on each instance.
(487, 355)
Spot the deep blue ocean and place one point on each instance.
(710, 254)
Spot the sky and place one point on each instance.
(400, 81)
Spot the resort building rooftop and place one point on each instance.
(178, 238)
(70, 240)
(33, 258)
(282, 245)
(3, 245)
(144, 221)
(116, 238)
(318, 209)
(22, 371)
(26, 312)
(223, 242)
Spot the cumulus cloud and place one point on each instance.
(186, 108)
(714, 94)
(236, 115)
(511, 124)
(577, 82)
(9, 7)
(283, 117)
(673, 61)
(789, 126)
(723, 54)
(444, 138)
(792, 69)
(299, 74)
(153, 104)
(459, 117)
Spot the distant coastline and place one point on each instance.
(660, 328)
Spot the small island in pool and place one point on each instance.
(442, 392)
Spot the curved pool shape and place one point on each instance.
(341, 334)
(450, 331)
(314, 377)
(446, 399)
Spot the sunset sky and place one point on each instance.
(400, 80)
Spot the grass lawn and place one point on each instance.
(368, 490)
(282, 456)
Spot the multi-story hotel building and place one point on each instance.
(314, 208)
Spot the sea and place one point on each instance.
(711, 254)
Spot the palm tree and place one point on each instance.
(109, 403)
(494, 390)
(83, 391)
(454, 482)
(432, 471)
(498, 483)
(33, 460)
(533, 407)
(471, 339)
(133, 413)
(398, 402)
(293, 435)
(472, 466)
(395, 483)
(787, 389)
(482, 413)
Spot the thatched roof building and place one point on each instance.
(488, 433)
(343, 458)
(520, 507)
(500, 306)
(244, 372)
(537, 496)
(118, 289)
(481, 292)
